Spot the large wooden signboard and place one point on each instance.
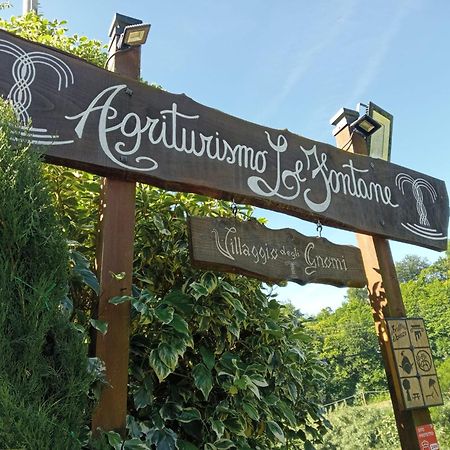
(250, 248)
(92, 119)
(414, 363)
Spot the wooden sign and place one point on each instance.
(89, 118)
(250, 248)
(414, 362)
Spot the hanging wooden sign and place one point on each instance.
(92, 119)
(249, 248)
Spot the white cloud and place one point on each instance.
(377, 50)
(305, 58)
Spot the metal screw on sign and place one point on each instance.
(234, 208)
(319, 229)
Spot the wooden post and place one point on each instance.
(384, 294)
(114, 257)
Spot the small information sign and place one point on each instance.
(412, 394)
(424, 361)
(405, 363)
(398, 333)
(431, 391)
(427, 437)
(417, 333)
(414, 362)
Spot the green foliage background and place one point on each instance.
(348, 344)
(362, 427)
(426, 293)
(346, 337)
(373, 427)
(428, 296)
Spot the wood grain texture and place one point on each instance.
(88, 118)
(115, 255)
(249, 248)
(386, 300)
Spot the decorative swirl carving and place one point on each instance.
(24, 73)
(416, 186)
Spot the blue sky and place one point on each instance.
(292, 64)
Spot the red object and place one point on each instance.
(427, 438)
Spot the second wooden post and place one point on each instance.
(384, 294)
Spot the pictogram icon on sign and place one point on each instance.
(431, 390)
(415, 368)
(424, 361)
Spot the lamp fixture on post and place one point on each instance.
(133, 35)
(379, 145)
(128, 32)
(365, 125)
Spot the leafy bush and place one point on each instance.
(441, 419)
(443, 371)
(347, 342)
(53, 32)
(215, 361)
(374, 427)
(43, 366)
(361, 427)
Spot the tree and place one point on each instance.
(44, 379)
(349, 345)
(53, 32)
(409, 268)
(362, 427)
(428, 296)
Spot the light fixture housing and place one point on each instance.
(133, 35)
(365, 125)
(128, 32)
(379, 145)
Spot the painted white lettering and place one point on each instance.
(223, 246)
(107, 112)
(288, 179)
(173, 130)
(335, 182)
(315, 262)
